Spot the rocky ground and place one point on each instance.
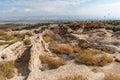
(60, 52)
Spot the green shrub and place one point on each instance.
(115, 29)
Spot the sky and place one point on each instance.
(72, 8)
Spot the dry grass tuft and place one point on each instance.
(63, 49)
(7, 70)
(3, 43)
(21, 35)
(2, 33)
(77, 50)
(29, 34)
(74, 77)
(112, 76)
(12, 38)
(83, 44)
(27, 42)
(91, 57)
(48, 37)
(53, 62)
(6, 37)
(95, 70)
(104, 59)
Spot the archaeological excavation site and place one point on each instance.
(64, 51)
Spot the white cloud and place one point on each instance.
(9, 10)
(62, 7)
(27, 10)
(101, 10)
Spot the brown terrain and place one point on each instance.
(72, 51)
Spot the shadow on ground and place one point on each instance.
(22, 63)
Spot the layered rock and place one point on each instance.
(12, 52)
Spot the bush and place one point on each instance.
(73, 77)
(53, 62)
(27, 42)
(112, 76)
(91, 57)
(7, 69)
(62, 49)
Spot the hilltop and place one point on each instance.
(64, 51)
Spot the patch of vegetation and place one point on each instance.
(91, 57)
(62, 49)
(34, 26)
(77, 49)
(83, 44)
(18, 35)
(95, 70)
(7, 70)
(22, 35)
(48, 37)
(112, 76)
(53, 62)
(3, 43)
(104, 48)
(27, 42)
(6, 37)
(112, 22)
(29, 34)
(11, 39)
(115, 29)
(74, 77)
(2, 32)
